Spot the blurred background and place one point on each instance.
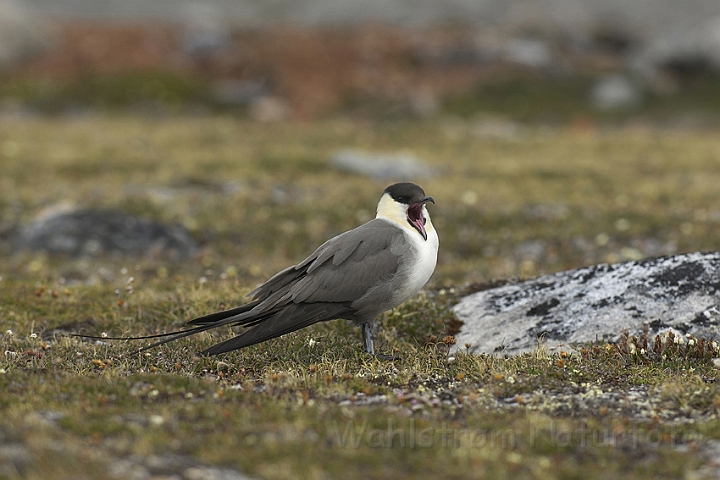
(548, 61)
(239, 134)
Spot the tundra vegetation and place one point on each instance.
(259, 197)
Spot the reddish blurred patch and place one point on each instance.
(314, 70)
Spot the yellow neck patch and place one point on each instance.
(391, 210)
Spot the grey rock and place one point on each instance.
(684, 50)
(14, 458)
(206, 30)
(22, 33)
(93, 233)
(597, 303)
(170, 466)
(615, 91)
(384, 166)
(529, 52)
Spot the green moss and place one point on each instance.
(163, 90)
(533, 96)
(311, 404)
(526, 97)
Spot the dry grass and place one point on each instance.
(311, 404)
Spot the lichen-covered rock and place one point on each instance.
(92, 233)
(680, 292)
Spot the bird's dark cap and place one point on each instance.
(408, 193)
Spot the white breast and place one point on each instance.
(419, 257)
(422, 264)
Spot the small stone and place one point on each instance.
(14, 458)
(529, 52)
(91, 233)
(269, 109)
(615, 92)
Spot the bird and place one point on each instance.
(356, 275)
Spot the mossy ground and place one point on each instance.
(311, 404)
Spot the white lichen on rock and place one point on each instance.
(596, 303)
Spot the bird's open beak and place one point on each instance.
(415, 215)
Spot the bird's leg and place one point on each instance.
(367, 331)
(367, 338)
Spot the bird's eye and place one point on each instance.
(424, 220)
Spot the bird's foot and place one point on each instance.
(385, 357)
(367, 331)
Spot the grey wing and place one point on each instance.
(288, 319)
(349, 276)
(343, 269)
